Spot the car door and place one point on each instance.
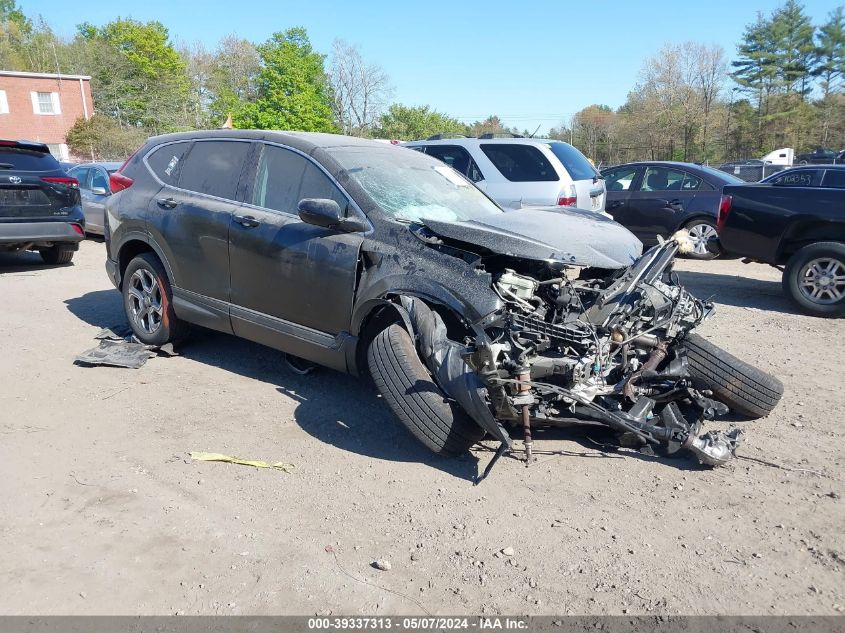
(654, 208)
(620, 182)
(292, 283)
(97, 195)
(189, 218)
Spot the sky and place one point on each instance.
(533, 63)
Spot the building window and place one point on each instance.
(46, 103)
(4, 103)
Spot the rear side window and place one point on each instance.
(575, 163)
(27, 160)
(98, 179)
(214, 168)
(458, 159)
(166, 161)
(520, 163)
(663, 179)
(800, 178)
(834, 178)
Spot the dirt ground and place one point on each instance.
(104, 513)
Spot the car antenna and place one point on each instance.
(535, 131)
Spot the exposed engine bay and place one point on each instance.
(575, 345)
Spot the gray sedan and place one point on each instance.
(94, 185)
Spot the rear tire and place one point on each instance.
(700, 231)
(814, 269)
(148, 302)
(58, 254)
(744, 388)
(413, 396)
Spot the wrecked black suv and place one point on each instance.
(366, 257)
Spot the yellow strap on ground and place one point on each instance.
(219, 457)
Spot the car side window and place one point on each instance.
(621, 179)
(520, 163)
(81, 174)
(98, 179)
(691, 183)
(166, 161)
(458, 159)
(278, 179)
(800, 178)
(834, 178)
(214, 168)
(662, 179)
(316, 184)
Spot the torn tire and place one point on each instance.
(148, 302)
(744, 388)
(413, 396)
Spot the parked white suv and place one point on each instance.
(522, 172)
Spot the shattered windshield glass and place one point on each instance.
(411, 187)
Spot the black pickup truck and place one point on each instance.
(794, 220)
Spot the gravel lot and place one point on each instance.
(104, 513)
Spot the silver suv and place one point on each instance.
(522, 172)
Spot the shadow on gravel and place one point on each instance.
(738, 291)
(599, 442)
(102, 308)
(332, 407)
(25, 262)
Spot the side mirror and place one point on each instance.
(327, 213)
(99, 191)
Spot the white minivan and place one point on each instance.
(522, 172)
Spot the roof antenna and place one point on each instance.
(535, 131)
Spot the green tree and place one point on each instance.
(830, 69)
(138, 77)
(102, 138)
(793, 47)
(408, 123)
(292, 89)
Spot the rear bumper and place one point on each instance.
(38, 232)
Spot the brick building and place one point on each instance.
(43, 107)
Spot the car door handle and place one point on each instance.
(614, 205)
(166, 203)
(247, 221)
(676, 204)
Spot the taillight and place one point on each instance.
(724, 211)
(62, 180)
(78, 229)
(570, 200)
(119, 182)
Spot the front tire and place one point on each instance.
(701, 232)
(413, 396)
(148, 302)
(58, 254)
(744, 388)
(814, 278)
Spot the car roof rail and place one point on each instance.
(440, 137)
(500, 135)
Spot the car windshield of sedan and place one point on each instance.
(412, 187)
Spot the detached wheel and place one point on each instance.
(148, 302)
(58, 254)
(744, 388)
(814, 279)
(413, 396)
(701, 232)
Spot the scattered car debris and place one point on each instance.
(116, 354)
(383, 565)
(257, 463)
(119, 348)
